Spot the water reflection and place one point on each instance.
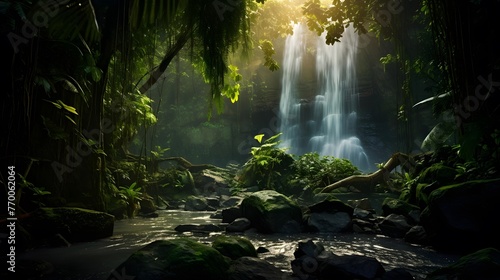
(96, 260)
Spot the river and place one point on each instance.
(96, 260)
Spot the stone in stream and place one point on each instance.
(239, 225)
(195, 203)
(230, 214)
(395, 226)
(234, 247)
(272, 212)
(198, 228)
(177, 259)
(312, 261)
(329, 222)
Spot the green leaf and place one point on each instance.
(259, 137)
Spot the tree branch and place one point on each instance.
(379, 176)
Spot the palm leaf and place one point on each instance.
(147, 13)
(74, 20)
(427, 100)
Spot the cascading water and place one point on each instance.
(327, 123)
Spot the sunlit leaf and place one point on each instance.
(259, 137)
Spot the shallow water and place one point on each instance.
(96, 260)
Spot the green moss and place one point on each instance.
(269, 210)
(440, 173)
(181, 258)
(234, 247)
(396, 206)
(465, 186)
(483, 264)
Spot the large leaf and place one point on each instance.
(144, 13)
(438, 135)
(427, 100)
(74, 20)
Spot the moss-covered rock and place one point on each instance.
(177, 259)
(117, 207)
(464, 217)
(75, 224)
(483, 264)
(440, 173)
(270, 211)
(234, 247)
(396, 206)
(331, 205)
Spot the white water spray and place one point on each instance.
(326, 124)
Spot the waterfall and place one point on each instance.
(325, 124)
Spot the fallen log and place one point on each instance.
(377, 177)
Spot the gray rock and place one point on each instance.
(239, 225)
(176, 259)
(194, 203)
(231, 214)
(394, 226)
(362, 214)
(329, 222)
(232, 201)
(270, 212)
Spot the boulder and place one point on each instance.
(350, 267)
(399, 207)
(74, 224)
(363, 203)
(394, 225)
(308, 248)
(231, 201)
(362, 214)
(147, 205)
(482, 264)
(331, 205)
(239, 225)
(213, 202)
(234, 247)
(176, 259)
(464, 217)
(329, 222)
(270, 211)
(194, 203)
(117, 207)
(417, 235)
(438, 172)
(313, 262)
(230, 214)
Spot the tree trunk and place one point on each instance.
(366, 182)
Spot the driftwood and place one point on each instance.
(377, 177)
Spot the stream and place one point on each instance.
(97, 259)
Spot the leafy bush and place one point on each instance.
(131, 195)
(266, 165)
(314, 171)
